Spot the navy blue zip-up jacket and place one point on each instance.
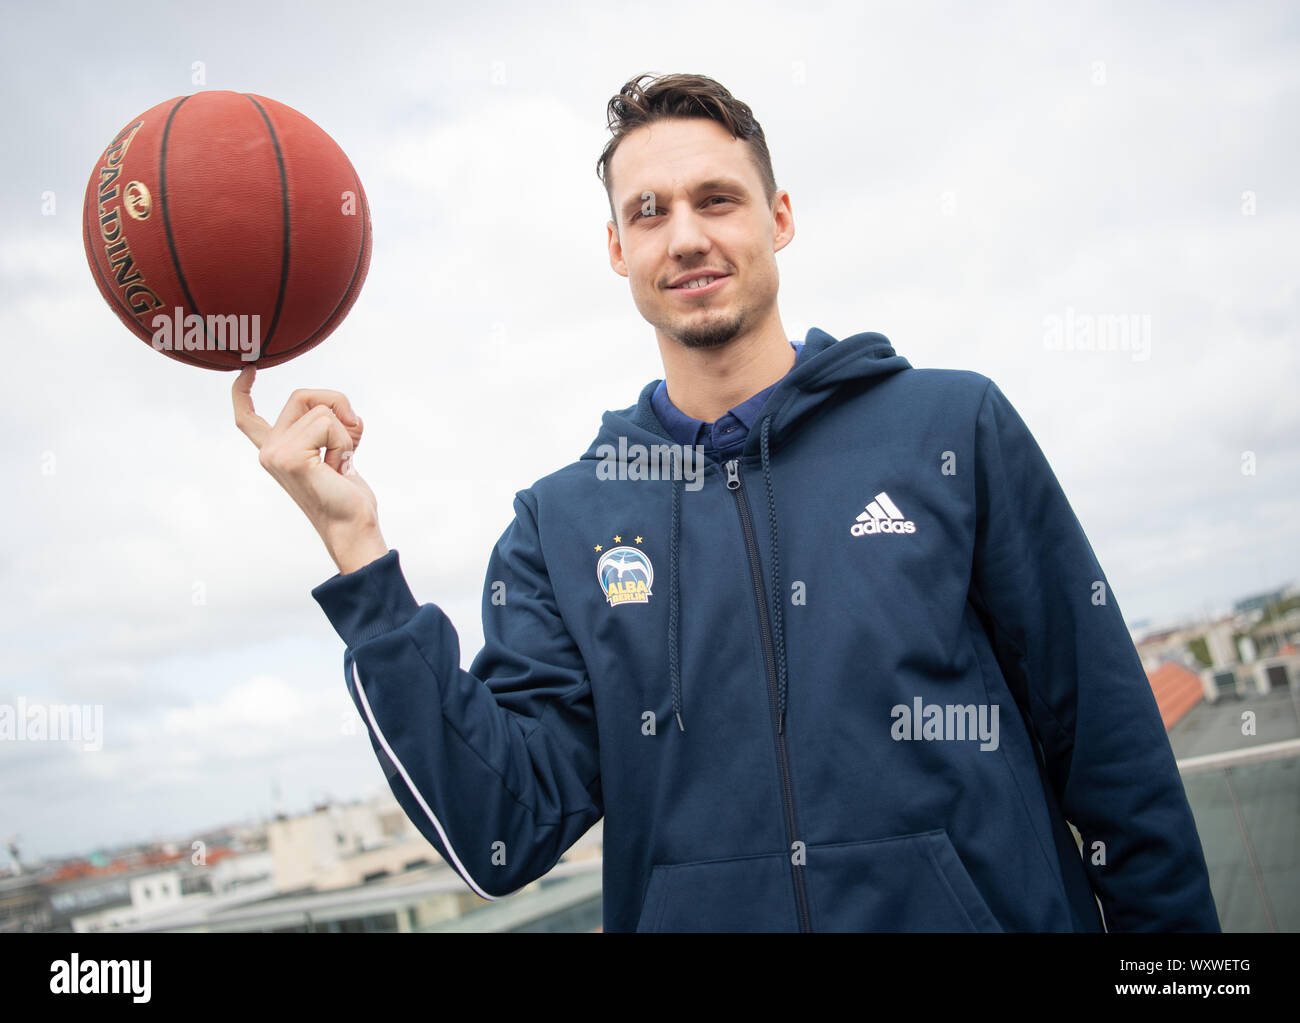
(792, 683)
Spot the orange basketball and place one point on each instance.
(227, 230)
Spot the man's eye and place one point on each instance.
(643, 213)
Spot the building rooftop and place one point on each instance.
(1177, 690)
(1217, 727)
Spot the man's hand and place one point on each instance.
(339, 503)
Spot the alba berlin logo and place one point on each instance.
(882, 516)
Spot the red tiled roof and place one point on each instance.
(132, 863)
(1177, 690)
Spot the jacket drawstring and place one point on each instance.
(778, 600)
(674, 600)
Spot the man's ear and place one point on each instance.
(783, 216)
(616, 259)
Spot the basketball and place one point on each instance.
(227, 230)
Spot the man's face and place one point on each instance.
(705, 211)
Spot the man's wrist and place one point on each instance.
(358, 550)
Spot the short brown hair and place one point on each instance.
(638, 104)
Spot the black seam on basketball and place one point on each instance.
(167, 220)
(182, 354)
(284, 199)
(361, 253)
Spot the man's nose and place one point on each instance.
(686, 233)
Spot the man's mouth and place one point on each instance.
(701, 285)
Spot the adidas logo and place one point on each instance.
(882, 516)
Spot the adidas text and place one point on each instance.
(887, 526)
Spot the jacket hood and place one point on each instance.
(825, 365)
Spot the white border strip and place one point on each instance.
(455, 860)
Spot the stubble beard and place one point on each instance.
(714, 333)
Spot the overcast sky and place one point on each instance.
(960, 175)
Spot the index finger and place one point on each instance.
(254, 427)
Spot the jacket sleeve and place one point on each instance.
(1064, 648)
(497, 766)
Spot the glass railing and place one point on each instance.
(1247, 808)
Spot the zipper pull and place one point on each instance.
(733, 474)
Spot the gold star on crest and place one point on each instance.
(599, 547)
(618, 539)
(637, 540)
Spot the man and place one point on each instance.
(817, 633)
